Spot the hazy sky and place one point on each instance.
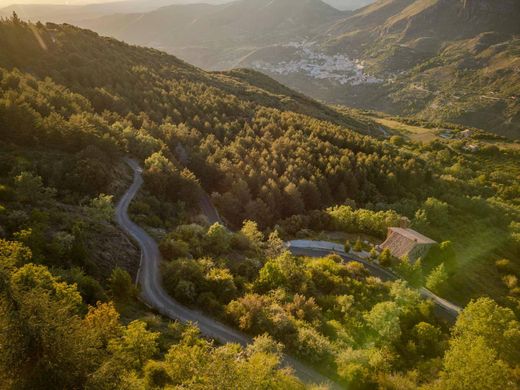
(9, 2)
(3, 3)
(72, 2)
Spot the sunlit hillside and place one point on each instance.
(163, 226)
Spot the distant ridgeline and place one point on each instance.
(443, 59)
(439, 60)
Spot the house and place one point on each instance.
(471, 148)
(407, 242)
(466, 133)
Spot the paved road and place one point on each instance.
(154, 295)
(443, 307)
(209, 210)
(205, 204)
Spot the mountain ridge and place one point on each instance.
(445, 60)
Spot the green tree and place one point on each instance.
(40, 314)
(222, 283)
(483, 348)
(437, 279)
(428, 339)
(30, 189)
(474, 365)
(101, 209)
(156, 375)
(218, 239)
(385, 258)
(135, 347)
(348, 246)
(255, 236)
(410, 271)
(275, 246)
(121, 285)
(358, 245)
(495, 324)
(406, 298)
(174, 249)
(384, 319)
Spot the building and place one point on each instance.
(407, 242)
(466, 133)
(473, 148)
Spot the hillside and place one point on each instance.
(226, 119)
(213, 36)
(216, 36)
(440, 60)
(454, 61)
(278, 165)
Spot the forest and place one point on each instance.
(277, 166)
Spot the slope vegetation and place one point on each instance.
(450, 60)
(73, 103)
(265, 152)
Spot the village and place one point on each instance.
(338, 68)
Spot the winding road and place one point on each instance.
(443, 308)
(154, 295)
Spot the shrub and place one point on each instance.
(121, 284)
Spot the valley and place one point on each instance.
(305, 61)
(403, 57)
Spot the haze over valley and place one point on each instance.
(383, 57)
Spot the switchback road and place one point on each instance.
(154, 295)
(310, 248)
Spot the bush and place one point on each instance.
(358, 246)
(437, 279)
(218, 239)
(156, 375)
(348, 246)
(174, 249)
(504, 266)
(185, 292)
(385, 258)
(121, 285)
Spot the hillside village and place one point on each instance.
(338, 68)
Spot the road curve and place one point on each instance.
(443, 307)
(154, 295)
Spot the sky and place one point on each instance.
(80, 2)
(4, 3)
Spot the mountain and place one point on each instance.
(348, 4)
(447, 60)
(217, 37)
(278, 165)
(76, 12)
(436, 59)
(213, 36)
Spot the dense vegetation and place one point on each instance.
(261, 162)
(437, 60)
(52, 340)
(336, 316)
(72, 104)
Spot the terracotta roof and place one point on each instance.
(402, 242)
(413, 235)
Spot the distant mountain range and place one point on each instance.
(449, 60)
